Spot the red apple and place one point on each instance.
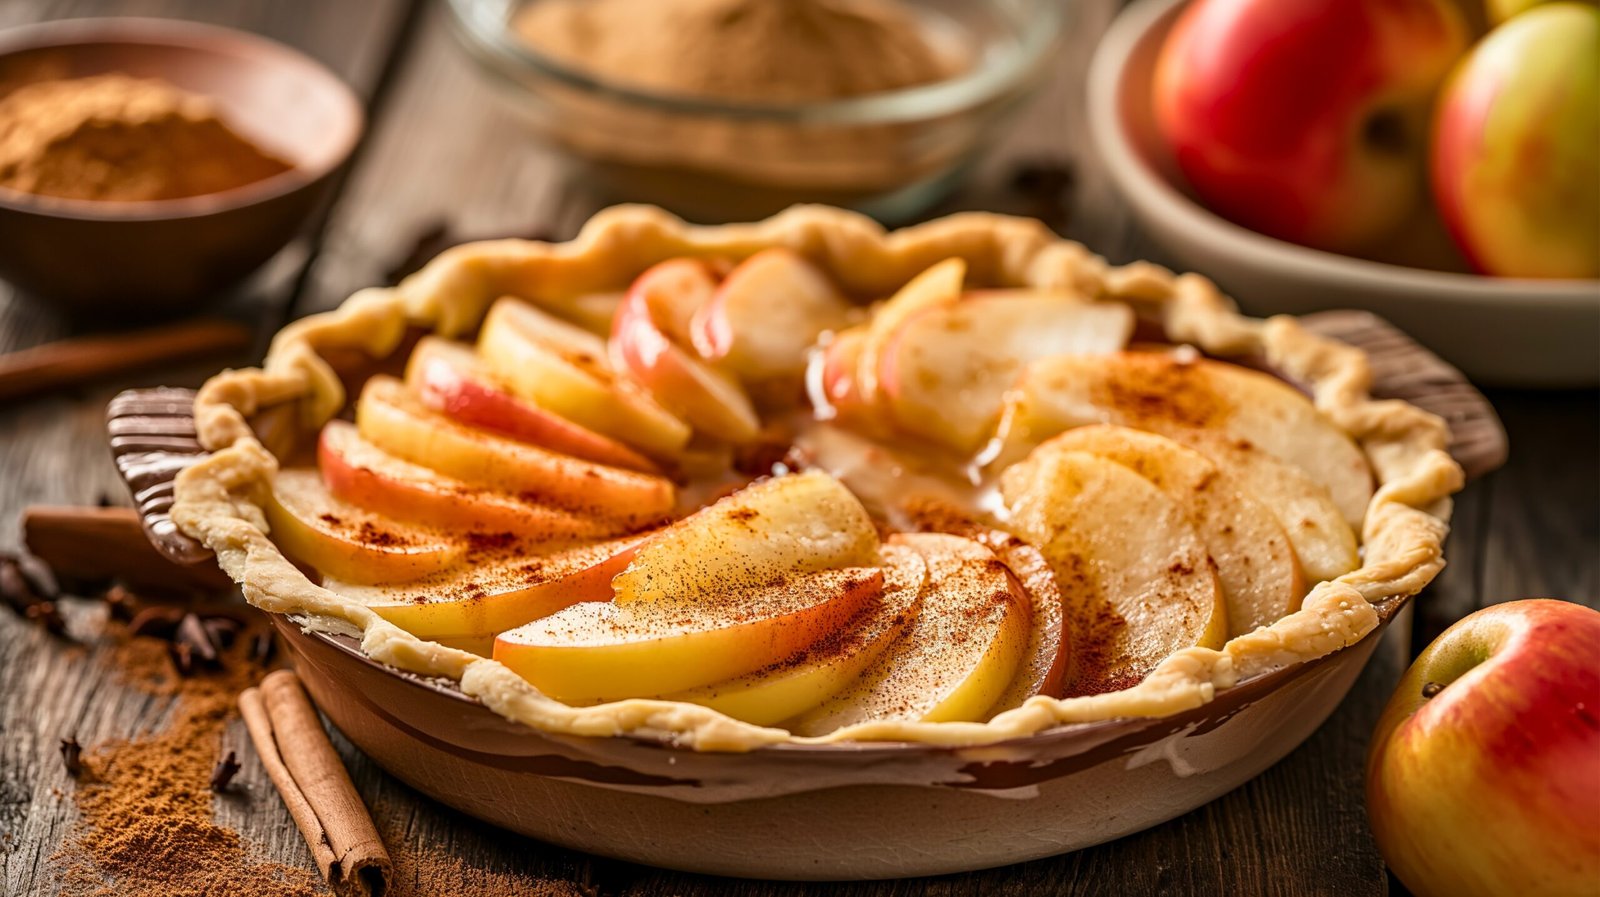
(1306, 119)
(1516, 151)
(1484, 776)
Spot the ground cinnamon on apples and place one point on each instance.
(758, 50)
(122, 139)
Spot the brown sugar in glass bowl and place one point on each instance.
(131, 256)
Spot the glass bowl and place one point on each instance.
(889, 154)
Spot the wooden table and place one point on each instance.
(439, 149)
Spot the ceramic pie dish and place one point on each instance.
(1074, 758)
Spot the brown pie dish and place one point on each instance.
(699, 545)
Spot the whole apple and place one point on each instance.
(1307, 120)
(1484, 775)
(1516, 150)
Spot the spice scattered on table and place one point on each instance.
(118, 138)
(145, 803)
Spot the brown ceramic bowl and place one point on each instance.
(821, 812)
(143, 259)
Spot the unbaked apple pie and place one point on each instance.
(804, 479)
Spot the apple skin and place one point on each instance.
(1516, 150)
(1492, 786)
(1306, 120)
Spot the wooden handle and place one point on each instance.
(78, 360)
(109, 542)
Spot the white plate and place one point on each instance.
(1497, 330)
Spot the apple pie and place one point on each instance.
(808, 480)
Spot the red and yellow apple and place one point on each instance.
(358, 472)
(765, 314)
(1484, 773)
(663, 300)
(1306, 120)
(391, 418)
(449, 378)
(1516, 148)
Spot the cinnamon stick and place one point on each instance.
(90, 542)
(78, 360)
(314, 785)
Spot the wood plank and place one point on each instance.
(52, 450)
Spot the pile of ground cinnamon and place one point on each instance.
(758, 50)
(122, 139)
(145, 824)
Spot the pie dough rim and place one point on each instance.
(219, 500)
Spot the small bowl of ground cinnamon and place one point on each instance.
(734, 109)
(148, 165)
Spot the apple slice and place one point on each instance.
(769, 531)
(708, 399)
(766, 314)
(1135, 576)
(494, 593)
(946, 369)
(797, 684)
(938, 285)
(957, 657)
(1044, 666)
(341, 540)
(449, 377)
(597, 651)
(831, 376)
(562, 368)
(1160, 392)
(1256, 566)
(1323, 543)
(358, 472)
(392, 419)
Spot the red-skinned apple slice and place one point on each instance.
(562, 368)
(389, 417)
(599, 651)
(494, 594)
(339, 539)
(709, 400)
(450, 378)
(945, 369)
(358, 472)
(938, 285)
(765, 314)
(831, 376)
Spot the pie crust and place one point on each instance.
(219, 500)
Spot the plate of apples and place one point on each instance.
(1436, 162)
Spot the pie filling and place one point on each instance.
(735, 487)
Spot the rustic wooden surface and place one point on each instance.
(440, 149)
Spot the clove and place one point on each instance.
(123, 604)
(262, 647)
(223, 630)
(194, 634)
(224, 772)
(158, 622)
(72, 755)
(46, 614)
